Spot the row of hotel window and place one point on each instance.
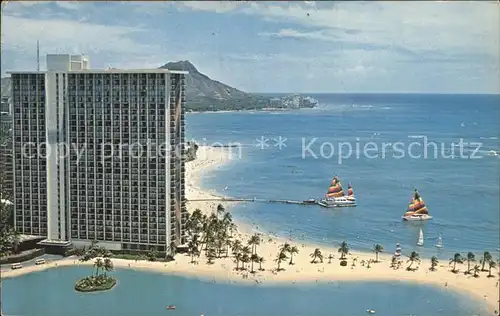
(104, 122)
(118, 203)
(117, 90)
(35, 206)
(160, 80)
(97, 100)
(128, 238)
(117, 194)
(132, 189)
(152, 233)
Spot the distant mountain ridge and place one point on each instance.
(206, 94)
(200, 85)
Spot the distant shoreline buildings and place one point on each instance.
(128, 202)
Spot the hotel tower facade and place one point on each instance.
(99, 155)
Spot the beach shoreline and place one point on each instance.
(482, 289)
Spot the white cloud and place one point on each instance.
(355, 46)
(418, 26)
(19, 5)
(317, 35)
(212, 6)
(68, 5)
(69, 35)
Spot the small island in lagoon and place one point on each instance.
(99, 281)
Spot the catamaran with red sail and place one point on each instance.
(335, 196)
(417, 210)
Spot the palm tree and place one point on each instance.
(227, 243)
(16, 240)
(108, 265)
(236, 248)
(414, 257)
(254, 258)
(261, 261)
(211, 255)
(470, 258)
(486, 258)
(98, 264)
(227, 221)
(254, 242)
(245, 255)
(220, 209)
(237, 258)
(457, 258)
(477, 269)
(434, 263)
(285, 247)
(245, 258)
(232, 229)
(316, 255)
(152, 255)
(172, 248)
(293, 250)
(491, 264)
(281, 257)
(377, 248)
(193, 247)
(344, 249)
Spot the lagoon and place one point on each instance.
(51, 293)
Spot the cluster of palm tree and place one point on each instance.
(247, 253)
(212, 234)
(10, 238)
(283, 252)
(93, 251)
(97, 281)
(471, 258)
(105, 265)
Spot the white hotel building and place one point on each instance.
(128, 199)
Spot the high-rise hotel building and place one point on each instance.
(99, 155)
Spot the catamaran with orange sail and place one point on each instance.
(417, 210)
(335, 196)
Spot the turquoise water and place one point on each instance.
(461, 193)
(50, 293)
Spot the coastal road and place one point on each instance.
(48, 258)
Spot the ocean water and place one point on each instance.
(462, 193)
(50, 293)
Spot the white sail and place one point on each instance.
(420, 238)
(439, 242)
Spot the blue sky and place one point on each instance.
(435, 47)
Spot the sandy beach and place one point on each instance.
(483, 289)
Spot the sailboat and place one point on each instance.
(420, 241)
(335, 196)
(439, 243)
(417, 210)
